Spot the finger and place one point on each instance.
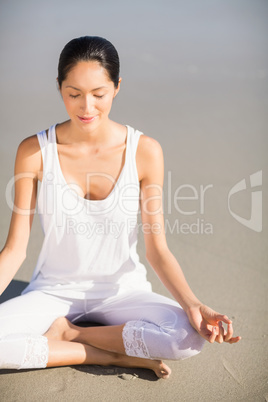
(224, 318)
(213, 335)
(229, 334)
(235, 340)
(220, 336)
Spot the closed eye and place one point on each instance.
(74, 96)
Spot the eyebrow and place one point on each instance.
(77, 89)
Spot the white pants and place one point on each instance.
(156, 327)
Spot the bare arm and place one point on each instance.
(157, 252)
(151, 171)
(27, 167)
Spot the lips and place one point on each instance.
(87, 119)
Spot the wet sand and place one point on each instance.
(195, 78)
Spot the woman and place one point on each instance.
(96, 177)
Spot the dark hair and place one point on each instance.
(89, 48)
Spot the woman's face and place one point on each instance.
(88, 95)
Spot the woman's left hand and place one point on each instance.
(208, 323)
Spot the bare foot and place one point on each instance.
(161, 369)
(60, 330)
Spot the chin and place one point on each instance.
(87, 127)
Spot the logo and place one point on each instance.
(255, 220)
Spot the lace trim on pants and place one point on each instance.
(134, 341)
(36, 352)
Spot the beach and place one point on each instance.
(195, 78)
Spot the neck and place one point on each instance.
(73, 134)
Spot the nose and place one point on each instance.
(87, 104)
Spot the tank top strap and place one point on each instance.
(43, 142)
(52, 134)
(42, 139)
(47, 139)
(132, 141)
(131, 174)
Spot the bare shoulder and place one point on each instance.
(29, 155)
(29, 145)
(149, 155)
(149, 146)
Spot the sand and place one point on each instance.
(195, 78)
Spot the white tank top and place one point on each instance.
(89, 248)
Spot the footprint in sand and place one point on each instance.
(128, 377)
